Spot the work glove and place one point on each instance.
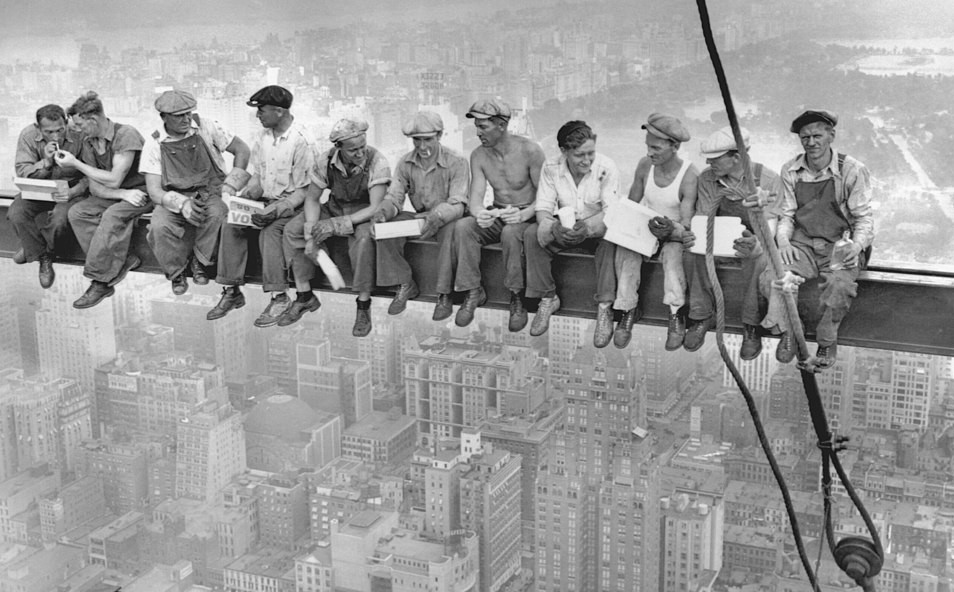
(328, 227)
(265, 217)
(661, 227)
(432, 223)
(747, 246)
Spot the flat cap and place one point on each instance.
(813, 116)
(273, 94)
(346, 129)
(487, 108)
(175, 102)
(666, 127)
(721, 142)
(423, 124)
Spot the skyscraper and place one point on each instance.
(332, 384)
(210, 451)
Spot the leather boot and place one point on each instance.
(362, 319)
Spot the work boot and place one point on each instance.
(624, 328)
(518, 313)
(362, 319)
(541, 320)
(825, 355)
(278, 305)
(465, 314)
(199, 275)
(677, 332)
(305, 302)
(232, 297)
(406, 292)
(132, 262)
(95, 294)
(179, 284)
(604, 325)
(443, 308)
(47, 275)
(20, 256)
(751, 342)
(695, 335)
(785, 352)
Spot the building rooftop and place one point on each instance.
(379, 425)
(268, 562)
(404, 544)
(283, 416)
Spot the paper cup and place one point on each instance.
(567, 215)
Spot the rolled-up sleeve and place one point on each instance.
(380, 171)
(547, 192)
(397, 191)
(459, 182)
(28, 163)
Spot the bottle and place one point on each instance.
(840, 251)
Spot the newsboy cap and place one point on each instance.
(666, 127)
(273, 94)
(487, 108)
(175, 102)
(813, 116)
(721, 142)
(423, 124)
(346, 129)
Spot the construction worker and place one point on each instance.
(185, 177)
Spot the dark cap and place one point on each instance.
(271, 95)
(666, 127)
(813, 116)
(487, 108)
(175, 102)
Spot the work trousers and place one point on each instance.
(837, 290)
(104, 228)
(40, 225)
(629, 268)
(174, 239)
(233, 254)
(540, 280)
(470, 238)
(393, 268)
(361, 251)
(702, 298)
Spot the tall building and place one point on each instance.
(692, 541)
(565, 531)
(380, 438)
(282, 512)
(757, 373)
(10, 356)
(455, 383)
(75, 504)
(332, 384)
(123, 470)
(664, 374)
(222, 342)
(380, 350)
(442, 494)
(18, 495)
(210, 451)
(893, 390)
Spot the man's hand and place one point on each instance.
(328, 227)
(49, 152)
(661, 227)
(852, 258)
(510, 215)
(194, 213)
(786, 251)
(136, 197)
(432, 223)
(381, 214)
(310, 248)
(485, 218)
(757, 200)
(688, 239)
(265, 217)
(64, 158)
(570, 237)
(747, 246)
(61, 196)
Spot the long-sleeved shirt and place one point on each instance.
(283, 164)
(852, 191)
(446, 181)
(379, 171)
(712, 190)
(30, 155)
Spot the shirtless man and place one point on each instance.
(667, 184)
(511, 164)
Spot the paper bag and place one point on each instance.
(727, 229)
(627, 225)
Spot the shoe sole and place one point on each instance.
(752, 357)
(92, 304)
(687, 348)
(395, 311)
(443, 316)
(298, 318)
(209, 316)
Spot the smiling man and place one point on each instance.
(825, 195)
(511, 165)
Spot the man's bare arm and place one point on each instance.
(639, 180)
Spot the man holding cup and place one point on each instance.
(578, 186)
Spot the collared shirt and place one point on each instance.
(852, 191)
(283, 163)
(713, 189)
(446, 180)
(380, 170)
(596, 191)
(119, 138)
(30, 155)
(211, 131)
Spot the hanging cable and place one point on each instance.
(858, 557)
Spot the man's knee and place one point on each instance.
(17, 213)
(465, 229)
(512, 234)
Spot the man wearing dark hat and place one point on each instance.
(282, 157)
(825, 196)
(185, 177)
(40, 234)
(356, 177)
(435, 180)
(511, 165)
(721, 193)
(665, 183)
(103, 222)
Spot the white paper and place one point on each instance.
(386, 230)
(727, 229)
(241, 210)
(330, 270)
(40, 189)
(627, 225)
